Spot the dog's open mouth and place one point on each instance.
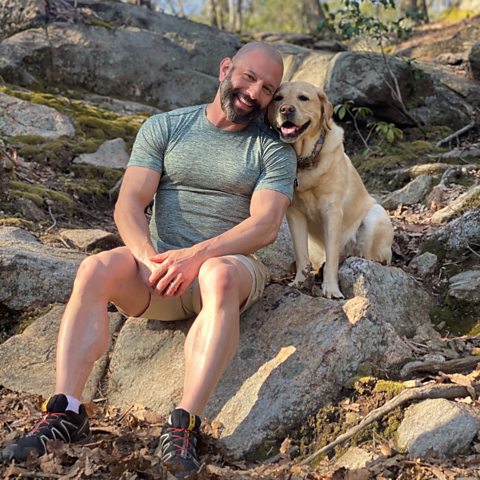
(290, 130)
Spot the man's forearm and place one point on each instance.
(132, 225)
(245, 238)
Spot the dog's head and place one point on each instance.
(299, 110)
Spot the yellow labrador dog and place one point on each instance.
(332, 214)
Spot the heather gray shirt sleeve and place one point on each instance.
(150, 144)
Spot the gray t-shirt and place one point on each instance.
(208, 175)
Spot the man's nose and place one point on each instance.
(286, 108)
(254, 90)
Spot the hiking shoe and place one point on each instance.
(57, 423)
(178, 443)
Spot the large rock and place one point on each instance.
(110, 154)
(456, 237)
(389, 292)
(295, 354)
(32, 274)
(438, 427)
(412, 193)
(19, 117)
(88, 239)
(158, 59)
(28, 360)
(465, 286)
(429, 99)
(278, 256)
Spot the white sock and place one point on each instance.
(73, 404)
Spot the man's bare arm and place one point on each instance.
(267, 209)
(138, 188)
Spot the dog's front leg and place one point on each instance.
(333, 215)
(297, 223)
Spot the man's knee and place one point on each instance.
(92, 271)
(103, 270)
(219, 275)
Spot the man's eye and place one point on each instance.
(268, 91)
(277, 98)
(303, 98)
(250, 77)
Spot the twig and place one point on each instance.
(129, 409)
(40, 475)
(456, 134)
(472, 250)
(450, 366)
(53, 219)
(421, 393)
(115, 188)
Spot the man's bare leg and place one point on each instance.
(110, 276)
(212, 341)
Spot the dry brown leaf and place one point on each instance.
(285, 446)
(358, 474)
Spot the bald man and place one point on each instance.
(221, 183)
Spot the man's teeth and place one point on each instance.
(245, 101)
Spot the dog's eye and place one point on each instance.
(277, 98)
(303, 98)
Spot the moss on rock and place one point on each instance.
(376, 169)
(62, 202)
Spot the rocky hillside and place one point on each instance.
(77, 79)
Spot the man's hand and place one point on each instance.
(173, 271)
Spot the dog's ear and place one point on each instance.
(326, 109)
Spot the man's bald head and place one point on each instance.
(267, 49)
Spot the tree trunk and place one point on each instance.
(238, 17)
(231, 15)
(212, 13)
(426, 18)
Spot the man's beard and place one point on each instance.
(228, 94)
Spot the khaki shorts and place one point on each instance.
(190, 303)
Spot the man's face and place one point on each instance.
(248, 87)
(231, 97)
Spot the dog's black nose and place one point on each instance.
(285, 108)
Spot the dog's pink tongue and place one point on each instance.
(286, 131)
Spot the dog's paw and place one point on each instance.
(332, 292)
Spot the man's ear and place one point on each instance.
(225, 67)
(326, 109)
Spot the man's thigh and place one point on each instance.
(189, 304)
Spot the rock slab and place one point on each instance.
(32, 274)
(439, 427)
(19, 117)
(295, 354)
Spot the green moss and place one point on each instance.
(460, 317)
(436, 247)
(388, 386)
(392, 421)
(17, 222)
(98, 22)
(267, 449)
(90, 183)
(28, 139)
(89, 121)
(39, 193)
(375, 169)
